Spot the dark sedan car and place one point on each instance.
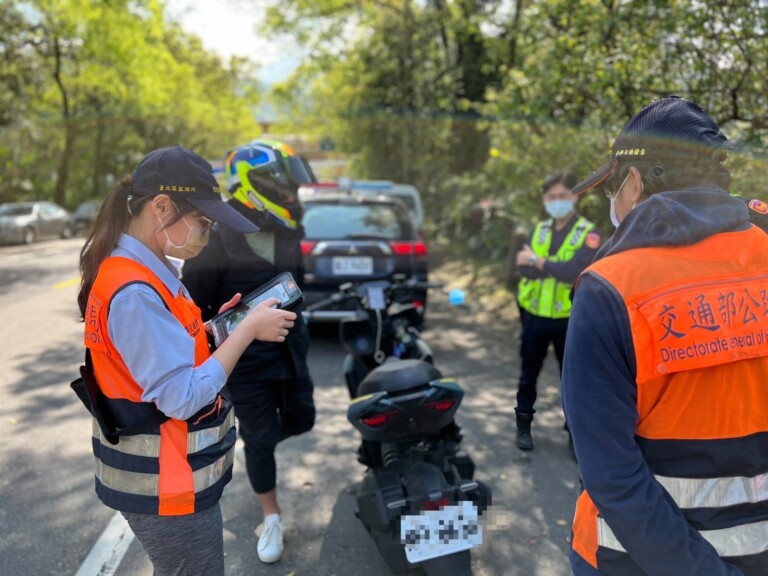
(85, 215)
(358, 239)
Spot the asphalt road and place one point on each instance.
(50, 518)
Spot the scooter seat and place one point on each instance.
(397, 376)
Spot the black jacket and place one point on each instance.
(229, 264)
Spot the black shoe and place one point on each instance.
(524, 440)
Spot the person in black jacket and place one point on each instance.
(271, 386)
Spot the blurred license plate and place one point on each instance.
(436, 533)
(352, 266)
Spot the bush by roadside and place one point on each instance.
(484, 283)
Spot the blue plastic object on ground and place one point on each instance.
(456, 297)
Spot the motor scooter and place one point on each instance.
(384, 325)
(418, 498)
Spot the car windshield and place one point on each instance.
(16, 210)
(344, 221)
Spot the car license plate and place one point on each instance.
(352, 266)
(435, 533)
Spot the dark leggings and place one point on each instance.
(268, 413)
(537, 334)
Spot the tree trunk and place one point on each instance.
(62, 172)
(96, 184)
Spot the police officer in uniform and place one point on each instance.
(271, 387)
(559, 249)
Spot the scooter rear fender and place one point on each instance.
(385, 417)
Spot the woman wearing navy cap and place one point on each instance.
(149, 351)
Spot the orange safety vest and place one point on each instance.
(699, 327)
(179, 467)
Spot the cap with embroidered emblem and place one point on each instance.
(183, 174)
(668, 127)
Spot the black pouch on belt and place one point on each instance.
(87, 389)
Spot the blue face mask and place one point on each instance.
(558, 208)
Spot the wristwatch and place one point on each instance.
(532, 260)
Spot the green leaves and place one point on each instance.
(421, 91)
(95, 85)
(409, 90)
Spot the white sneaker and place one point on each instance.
(270, 533)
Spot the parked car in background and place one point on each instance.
(85, 215)
(406, 193)
(27, 222)
(358, 238)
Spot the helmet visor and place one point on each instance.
(271, 172)
(299, 170)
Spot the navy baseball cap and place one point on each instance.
(180, 173)
(670, 127)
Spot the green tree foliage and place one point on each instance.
(583, 68)
(396, 83)
(97, 84)
(474, 100)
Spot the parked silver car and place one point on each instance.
(27, 222)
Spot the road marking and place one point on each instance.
(106, 554)
(67, 283)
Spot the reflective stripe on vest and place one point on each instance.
(142, 484)
(743, 540)
(547, 297)
(699, 323)
(180, 467)
(716, 492)
(149, 444)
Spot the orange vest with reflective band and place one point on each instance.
(180, 467)
(699, 322)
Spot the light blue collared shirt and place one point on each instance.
(154, 345)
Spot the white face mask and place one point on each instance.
(614, 217)
(197, 239)
(558, 208)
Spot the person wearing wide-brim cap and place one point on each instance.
(147, 349)
(665, 361)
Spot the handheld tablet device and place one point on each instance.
(283, 287)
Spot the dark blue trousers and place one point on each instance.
(537, 335)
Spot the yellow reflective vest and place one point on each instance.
(548, 297)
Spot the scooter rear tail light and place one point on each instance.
(435, 504)
(441, 405)
(376, 420)
(306, 247)
(418, 304)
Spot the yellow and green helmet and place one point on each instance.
(265, 175)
